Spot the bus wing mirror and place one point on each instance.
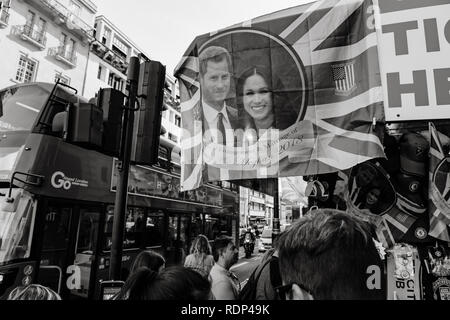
(59, 123)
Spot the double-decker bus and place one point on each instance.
(57, 201)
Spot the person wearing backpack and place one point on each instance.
(263, 280)
(269, 278)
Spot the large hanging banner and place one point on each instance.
(293, 93)
(414, 42)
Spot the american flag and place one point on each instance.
(344, 78)
(439, 186)
(337, 44)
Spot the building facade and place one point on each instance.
(171, 121)
(269, 204)
(256, 208)
(109, 58)
(45, 41)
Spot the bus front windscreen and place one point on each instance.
(16, 227)
(20, 106)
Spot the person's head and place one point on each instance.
(365, 175)
(173, 283)
(149, 259)
(225, 252)
(326, 256)
(215, 75)
(255, 94)
(166, 182)
(33, 292)
(373, 196)
(201, 245)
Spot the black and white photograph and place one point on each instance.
(218, 160)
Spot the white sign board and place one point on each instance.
(414, 49)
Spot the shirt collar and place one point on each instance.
(211, 113)
(223, 270)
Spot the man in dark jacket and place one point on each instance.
(269, 278)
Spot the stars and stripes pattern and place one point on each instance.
(338, 47)
(344, 78)
(439, 208)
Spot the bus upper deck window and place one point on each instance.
(20, 106)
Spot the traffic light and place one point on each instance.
(111, 101)
(85, 124)
(151, 90)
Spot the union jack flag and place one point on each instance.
(336, 42)
(439, 205)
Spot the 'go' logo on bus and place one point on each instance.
(59, 181)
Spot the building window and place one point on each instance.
(62, 78)
(115, 82)
(26, 70)
(118, 84)
(178, 121)
(100, 72)
(67, 45)
(173, 137)
(41, 26)
(106, 35)
(31, 17)
(119, 44)
(111, 78)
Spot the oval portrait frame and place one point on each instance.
(376, 166)
(283, 44)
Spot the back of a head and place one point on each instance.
(180, 283)
(148, 259)
(220, 244)
(329, 252)
(33, 292)
(173, 283)
(200, 246)
(138, 285)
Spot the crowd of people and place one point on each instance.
(325, 255)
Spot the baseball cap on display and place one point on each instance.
(410, 187)
(418, 233)
(414, 150)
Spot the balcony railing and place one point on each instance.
(110, 56)
(28, 33)
(73, 22)
(169, 100)
(64, 55)
(4, 18)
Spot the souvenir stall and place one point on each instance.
(407, 198)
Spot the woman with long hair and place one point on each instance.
(261, 102)
(149, 259)
(172, 283)
(200, 256)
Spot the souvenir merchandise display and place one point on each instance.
(406, 196)
(436, 261)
